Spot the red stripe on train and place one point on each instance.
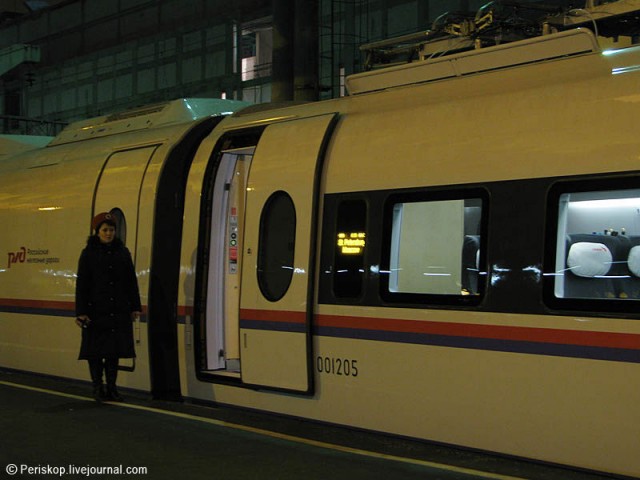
(496, 332)
(525, 334)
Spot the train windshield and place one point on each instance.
(598, 245)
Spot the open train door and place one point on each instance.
(276, 301)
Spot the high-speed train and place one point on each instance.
(450, 253)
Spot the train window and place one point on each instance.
(121, 224)
(276, 246)
(350, 243)
(597, 254)
(433, 249)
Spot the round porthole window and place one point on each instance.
(276, 246)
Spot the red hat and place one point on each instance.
(104, 217)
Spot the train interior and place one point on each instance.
(598, 245)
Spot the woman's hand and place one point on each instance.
(82, 321)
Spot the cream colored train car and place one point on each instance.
(124, 163)
(450, 253)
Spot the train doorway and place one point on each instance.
(223, 283)
(255, 277)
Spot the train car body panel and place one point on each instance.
(276, 306)
(451, 260)
(49, 197)
(376, 360)
(538, 94)
(40, 278)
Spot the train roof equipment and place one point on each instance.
(501, 34)
(534, 50)
(162, 114)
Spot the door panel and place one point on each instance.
(119, 187)
(275, 333)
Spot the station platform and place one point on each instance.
(52, 428)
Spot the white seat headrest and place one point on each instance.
(634, 261)
(588, 259)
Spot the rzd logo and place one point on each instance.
(17, 257)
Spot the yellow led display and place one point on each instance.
(351, 243)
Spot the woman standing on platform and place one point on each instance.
(107, 302)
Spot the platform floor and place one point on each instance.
(52, 429)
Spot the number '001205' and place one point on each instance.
(337, 366)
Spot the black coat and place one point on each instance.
(107, 292)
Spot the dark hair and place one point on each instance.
(108, 222)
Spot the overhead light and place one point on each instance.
(607, 203)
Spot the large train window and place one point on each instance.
(276, 246)
(597, 252)
(350, 243)
(433, 249)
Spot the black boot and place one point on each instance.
(113, 395)
(99, 393)
(95, 369)
(111, 373)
